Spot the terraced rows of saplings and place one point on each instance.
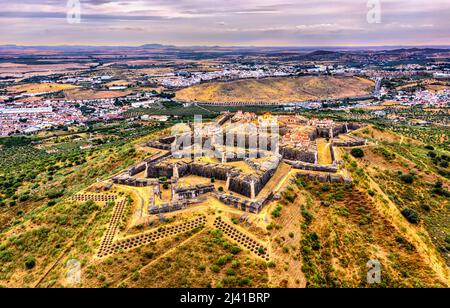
(153, 236)
(112, 229)
(110, 245)
(95, 198)
(242, 239)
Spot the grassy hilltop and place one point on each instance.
(319, 235)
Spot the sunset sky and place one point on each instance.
(226, 22)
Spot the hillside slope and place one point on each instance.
(318, 235)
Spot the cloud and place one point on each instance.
(222, 22)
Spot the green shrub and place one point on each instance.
(425, 207)
(307, 215)
(215, 268)
(290, 197)
(223, 260)
(30, 262)
(24, 197)
(439, 189)
(407, 178)
(432, 154)
(277, 211)
(235, 264)
(148, 254)
(5, 255)
(54, 194)
(311, 240)
(135, 276)
(411, 215)
(235, 250)
(357, 153)
(325, 188)
(245, 281)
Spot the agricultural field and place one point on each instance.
(40, 88)
(438, 137)
(282, 90)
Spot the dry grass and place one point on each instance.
(285, 248)
(352, 230)
(324, 152)
(41, 87)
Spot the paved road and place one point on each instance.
(377, 91)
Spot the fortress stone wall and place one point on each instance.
(352, 142)
(338, 129)
(239, 183)
(125, 179)
(299, 154)
(312, 167)
(324, 178)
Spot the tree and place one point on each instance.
(357, 153)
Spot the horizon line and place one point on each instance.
(225, 46)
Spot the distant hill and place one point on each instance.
(323, 55)
(283, 90)
(156, 46)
